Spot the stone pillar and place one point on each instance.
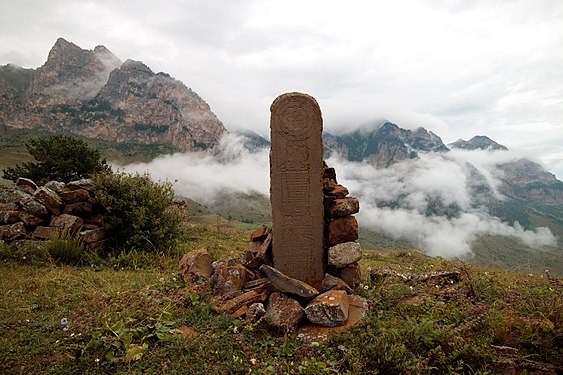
(296, 191)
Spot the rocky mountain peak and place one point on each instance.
(478, 142)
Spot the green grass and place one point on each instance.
(133, 314)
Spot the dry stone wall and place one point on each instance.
(30, 212)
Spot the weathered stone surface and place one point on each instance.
(334, 283)
(343, 207)
(234, 304)
(289, 285)
(342, 230)
(352, 275)
(357, 309)
(10, 217)
(84, 183)
(69, 195)
(49, 199)
(93, 235)
(228, 279)
(12, 232)
(258, 253)
(27, 185)
(45, 233)
(226, 262)
(79, 208)
(337, 192)
(282, 312)
(69, 222)
(329, 309)
(255, 311)
(343, 254)
(96, 219)
(196, 264)
(12, 195)
(260, 234)
(56, 186)
(27, 218)
(329, 173)
(33, 207)
(5, 216)
(296, 172)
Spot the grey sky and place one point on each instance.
(458, 68)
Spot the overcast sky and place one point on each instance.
(459, 68)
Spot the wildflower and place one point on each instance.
(64, 321)
(341, 347)
(301, 336)
(366, 287)
(65, 328)
(97, 360)
(253, 361)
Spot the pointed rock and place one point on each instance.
(287, 284)
(334, 283)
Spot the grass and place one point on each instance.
(132, 314)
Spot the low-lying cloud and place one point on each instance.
(413, 185)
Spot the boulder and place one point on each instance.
(56, 186)
(342, 230)
(196, 264)
(25, 184)
(96, 219)
(32, 206)
(68, 222)
(49, 199)
(44, 233)
(93, 235)
(69, 195)
(10, 217)
(282, 312)
(79, 209)
(27, 218)
(12, 232)
(228, 279)
(287, 284)
(334, 283)
(343, 207)
(352, 275)
(13, 195)
(329, 309)
(84, 183)
(343, 254)
(5, 216)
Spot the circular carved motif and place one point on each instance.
(295, 117)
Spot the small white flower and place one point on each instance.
(64, 321)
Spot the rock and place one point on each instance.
(56, 186)
(34, 207)
(337, 192)
(234, 304)
(255, 311)
(79, 208)
(342, 230)
(329, 309)
(66, 221)
(28, 219)
(329, 173)
(196, 264)
(49, 199)
(10, 217)
(84, 183)
(96, 219)
(45, 233)
(240, 312)
(259, 285)
(94, 247)
(352, 275)
(287, 284)
(69, 195)
(12, 232)
(93, 235)
(258, 253)
(343, 254)
(343, 207)
(282, 312)
(13, 195)
(260, 234)
(228, 279)
(334, 283)
(25, 184)
(5, 216)
(226, 262)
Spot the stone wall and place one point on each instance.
(29, 212)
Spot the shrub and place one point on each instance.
(139, 212)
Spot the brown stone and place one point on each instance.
(12, 195)
(342, 230)
(69, 195)
(289, 285)
(49, 199)
(226, 262)
(79, 208)
(334, 283)
(96, 219)
(27, 218)
(258, 253)
(10, 217)
(343, 207)
(228, 279)
(255, 311)
(296, 171)
(32, 206)
(84, 183)
(260, 234)
(45, 232)
(240, 312)
(12, 232)
(93, 235)
(196, 264)
(234, 304)
(283, 313)
(329, 173)
(56, 186)
(329, 309)
(344, 254)
(27, 185)
(94, 247)
(66, 221)
(352, 275)
(338, 192)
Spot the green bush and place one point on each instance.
(139, 212)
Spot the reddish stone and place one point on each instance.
(338, 192)
(329, 173)
(342, 230)
(27, 218)
(49, 199)
(79, 208)
(228, 279)
(240, 312)
(97, 219)
(74, 195)
(234, 304)
(196, 264)
(334, 283)
(352, 275)
(283, 313)
(12, 232)
(12, 195)
(329, 309)
(258, 253)
(45, 232)
(260, 234)
(343, 207)
(27, 185)
(84, 183)
(10, 217)
(33, 207)
(289, 285)
(65, 221)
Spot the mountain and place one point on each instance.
(93, 94)
(479, 142)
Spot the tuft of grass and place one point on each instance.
(65, 247)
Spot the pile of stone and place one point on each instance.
(29, 212)
(250, 288)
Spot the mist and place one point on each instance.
(411, 184)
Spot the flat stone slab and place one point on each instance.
(288, 285)
(357, 310)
